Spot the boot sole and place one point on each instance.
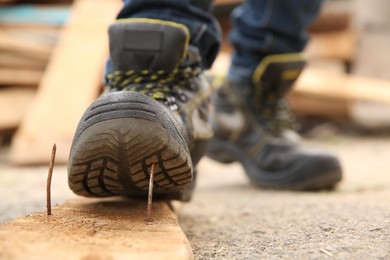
(116, 145)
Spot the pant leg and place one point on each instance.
(195, 14)
(264, 27)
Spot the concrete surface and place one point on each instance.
(230, 219)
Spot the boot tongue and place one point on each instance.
(147, 44)
(277, 73)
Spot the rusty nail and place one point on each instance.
(150, 194)
(48, 182)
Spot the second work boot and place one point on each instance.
(254, 126)
(155, 111)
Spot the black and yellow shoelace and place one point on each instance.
(274, 109)
(156, 84)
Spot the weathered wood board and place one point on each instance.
(14, 103)
(338, 95)
(337, 45)
(25, 77)
(96, 229)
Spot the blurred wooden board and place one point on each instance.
(29, 77)
(338, 95)
(331, 21)
(338, 45)
(40, 28)
(96, 229)
(26, 47)
(339, 85)
(70, 83)
(14, 60)
(19, 44)
(14, 103)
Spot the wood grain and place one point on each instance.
(70, 83)
(96, 229)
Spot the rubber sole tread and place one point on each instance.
(115, 157)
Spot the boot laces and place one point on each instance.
(165, 86)
(273, 109)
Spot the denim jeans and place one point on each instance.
(204, 28)
(261, 27)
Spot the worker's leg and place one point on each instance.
(155, 109)
(265, 27)
(252, 121)
(194, 14)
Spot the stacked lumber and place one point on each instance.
(71, 82)
(333, 38)
(363, 100)
(28, 34)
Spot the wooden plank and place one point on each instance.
(338, 95)
(70, 83)
(304, 104)
(339, 85)
(14, 43)
(331, 21)
(338, 45)
(14, 102)
(26, 47)
(37, 35)
(29, 77)
(40, 28)
(96, 229)
(14, 60)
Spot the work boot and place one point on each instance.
(154, 111)
(254, 126)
